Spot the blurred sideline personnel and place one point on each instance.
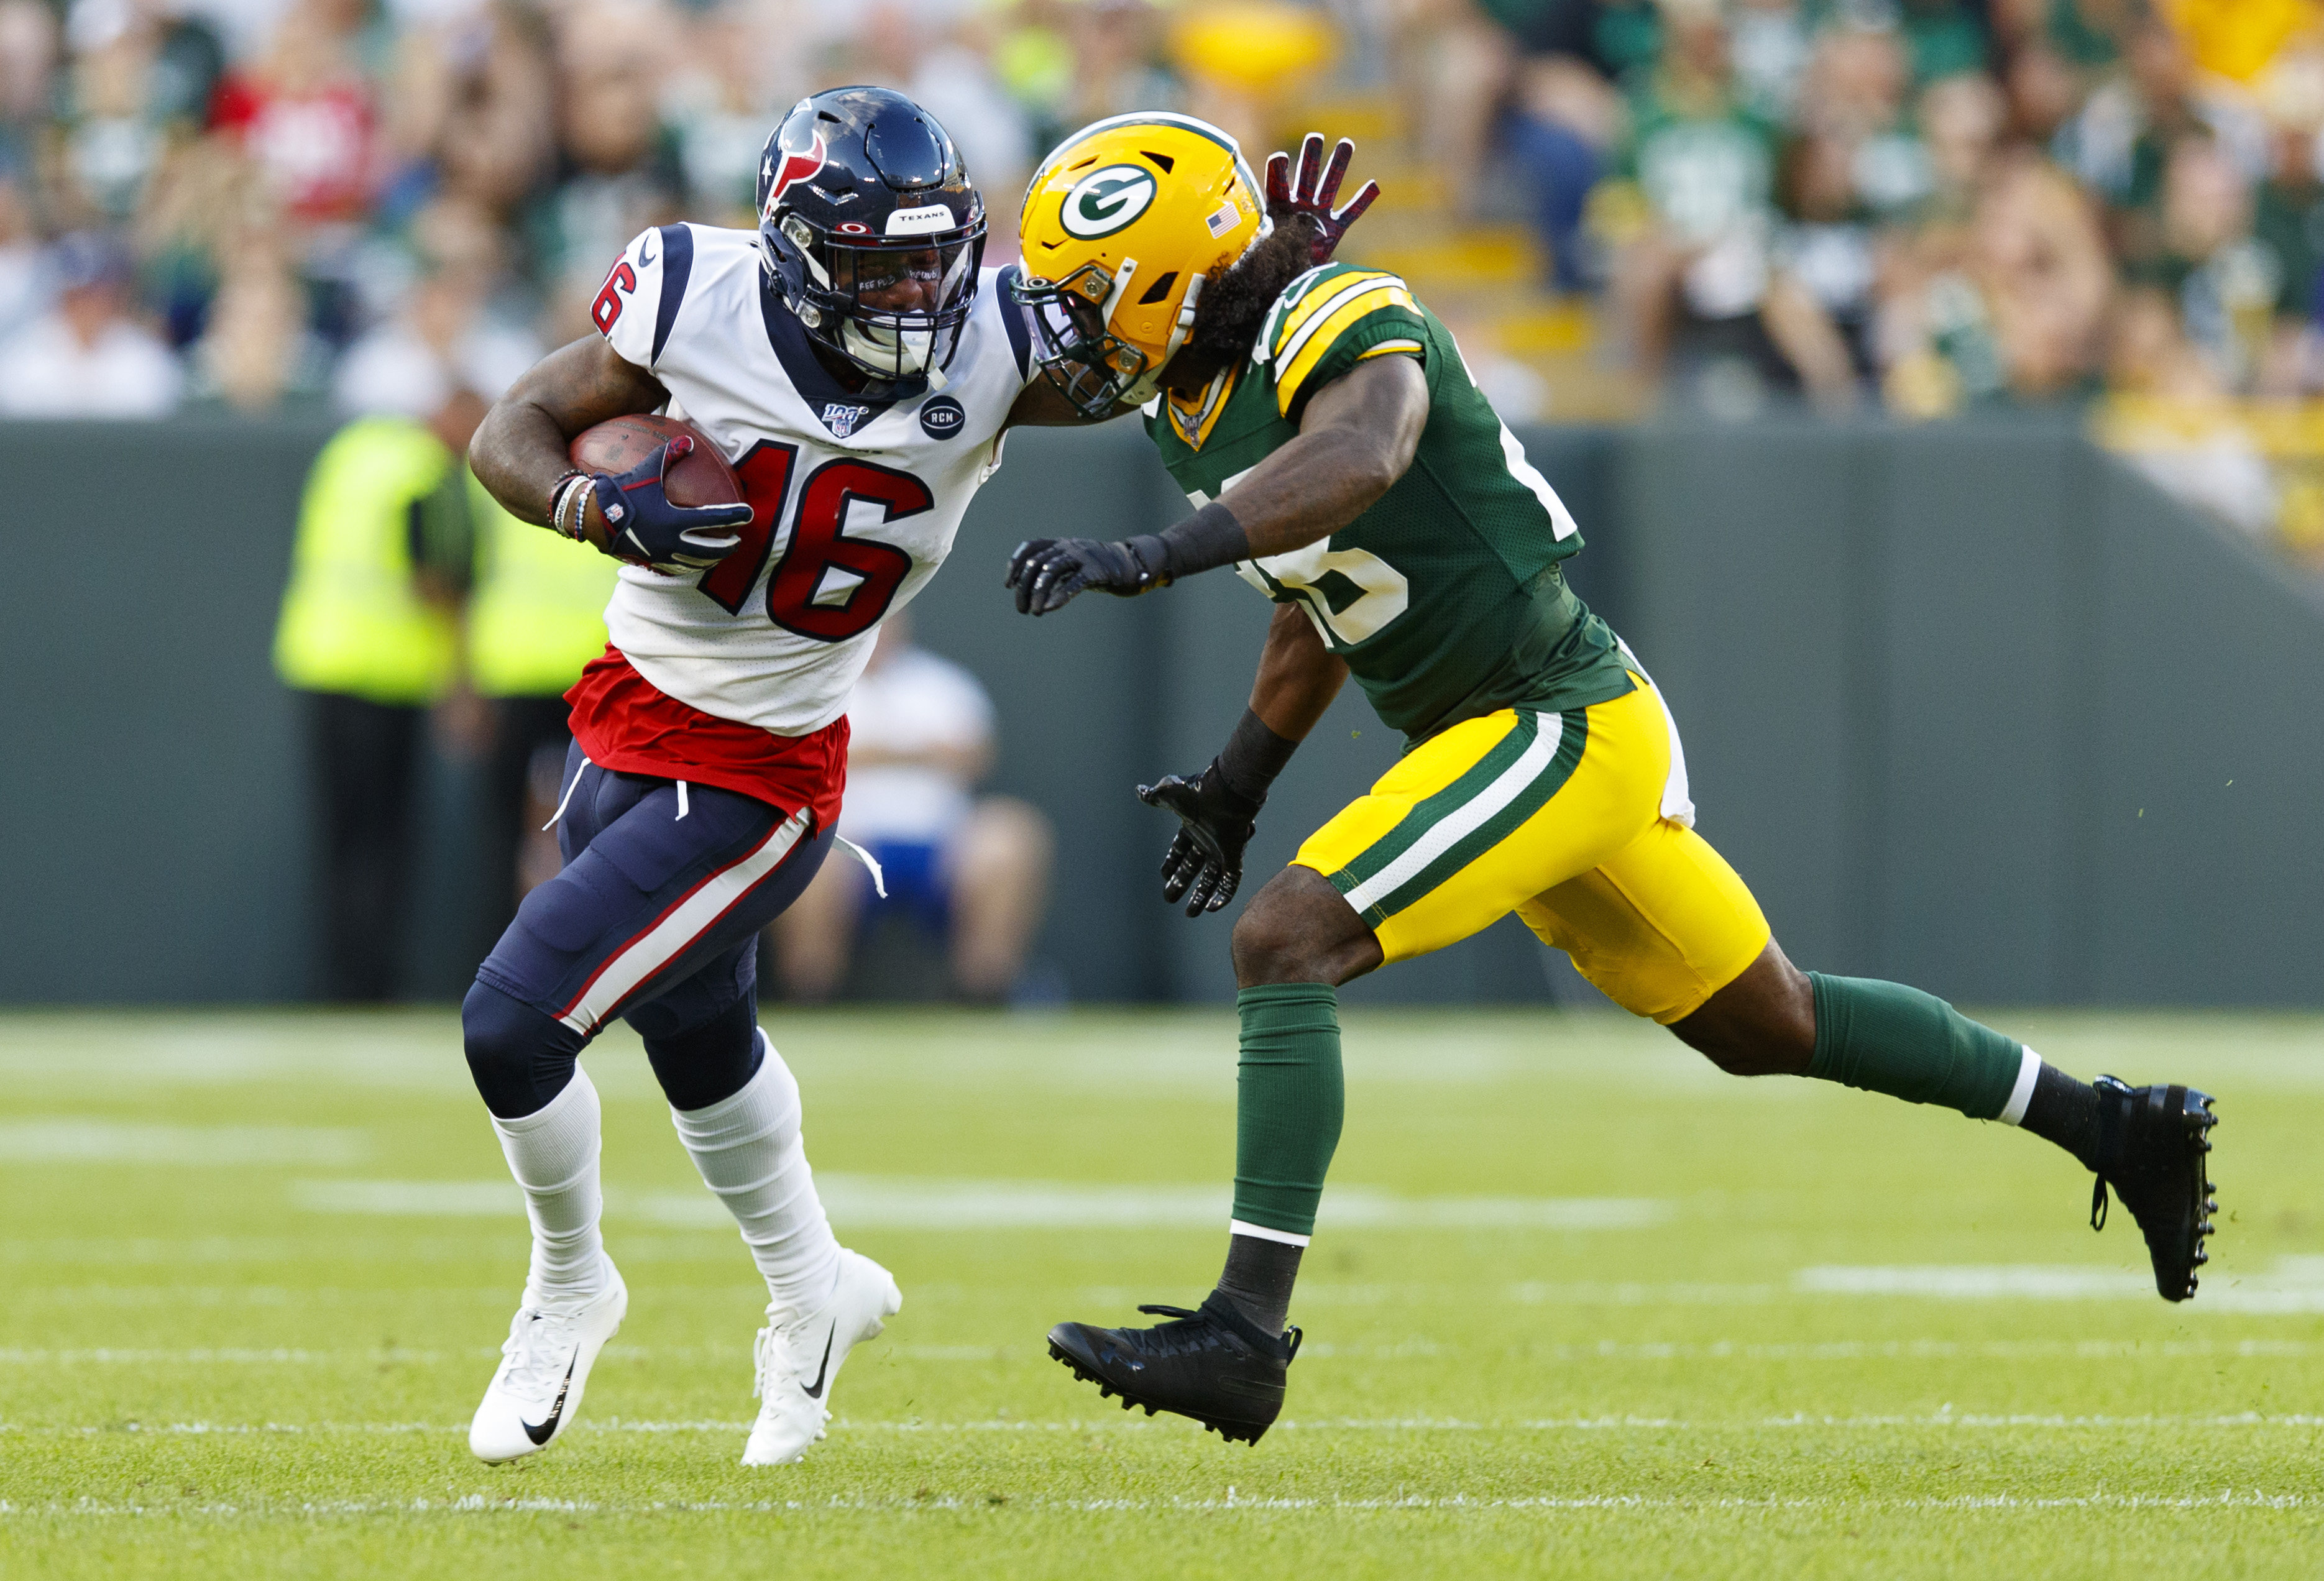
(535, 619)
(858, 370)
(370, 631)
(1337, 452)
(974, 870)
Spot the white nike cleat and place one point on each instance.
(544, 1367)
(800, 1360)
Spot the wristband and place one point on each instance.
(1254, 756)
(556, 489)
(1153, 558)
(1208, 538)
(561, 500)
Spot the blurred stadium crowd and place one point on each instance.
(1925, 207)
(255, 202)
(1940, 206)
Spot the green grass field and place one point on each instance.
(1589, 1308)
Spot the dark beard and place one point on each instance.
(1233, 306)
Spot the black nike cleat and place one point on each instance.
(1213, 1365)
(2152, 1142)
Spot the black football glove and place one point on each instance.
(1047, 572)
(642, 528)
(1315, 191)
(1204, 862)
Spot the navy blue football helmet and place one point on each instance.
(872, 233)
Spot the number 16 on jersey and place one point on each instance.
(828, 586)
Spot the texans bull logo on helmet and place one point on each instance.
(798, 164)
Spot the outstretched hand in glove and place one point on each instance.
(1316, 190)
(1045, 572)
(1204, 862)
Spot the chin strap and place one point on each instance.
(1150, 382)
(1121, 288)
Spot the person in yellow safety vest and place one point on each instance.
(536, 616)
(370, 632)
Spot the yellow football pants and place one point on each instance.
(1556, 817)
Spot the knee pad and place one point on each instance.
(519, 1057)
(707, 1063)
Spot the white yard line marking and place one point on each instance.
(1596, 1054)
(225, 1356)
(116, 1249)
(1594, 1293)
(86, 1139)
(2276, 1295)
(1946, 1420)
(893, 1202)
(416, 1198)
(2294, 1286)
(1823, 1350)
(476, 1503)
(1416, 1348)
(267, 1295)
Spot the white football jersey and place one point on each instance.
(856, 501)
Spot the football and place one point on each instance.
(619, 443)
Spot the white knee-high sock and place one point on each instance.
(750, 1152)
(553, 1154)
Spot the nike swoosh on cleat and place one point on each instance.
(548, 1430)
(815, 1391)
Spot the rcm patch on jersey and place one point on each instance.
(942, 417)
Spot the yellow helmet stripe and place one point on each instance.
(1189, 124)
(1310, 345)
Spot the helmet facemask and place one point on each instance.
(1094, 369)
(844, 290)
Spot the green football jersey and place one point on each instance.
(1444, 597)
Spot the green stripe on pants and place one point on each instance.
(1433, 810)
(1531, 796)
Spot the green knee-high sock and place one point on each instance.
(1885, 1037)
(1288, 1100)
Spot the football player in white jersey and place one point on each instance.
(858, 373)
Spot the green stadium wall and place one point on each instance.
(1972, 706)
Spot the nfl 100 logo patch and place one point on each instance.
(841, 418)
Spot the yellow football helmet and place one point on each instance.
(1121, 226)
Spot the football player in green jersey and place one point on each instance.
(1341, 459)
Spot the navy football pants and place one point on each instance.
(655, 918)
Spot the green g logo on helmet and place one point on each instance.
(1106, 200)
